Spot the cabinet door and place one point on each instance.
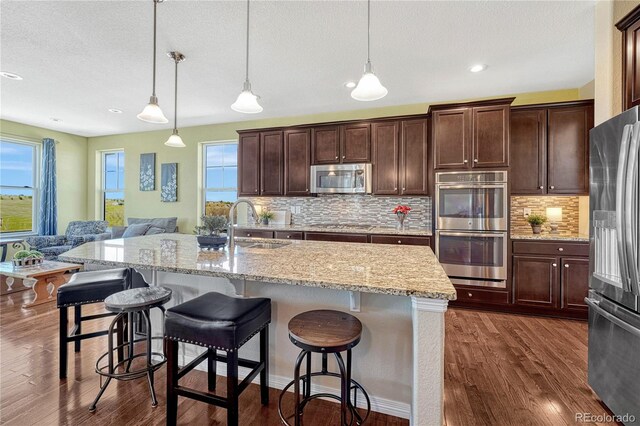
(528, 151)
(339, 237)
(297, 161)
(535, 281)
(413, 158)
(385, 157)
(491, 136)
(451, 138)
(272, 163)
(249, 164)
(325, 145)
(631, 65)
(355, 143)
(574, 283)
(568, 149)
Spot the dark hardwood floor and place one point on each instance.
(500, 370)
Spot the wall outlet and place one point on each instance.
(292, 209)
(527, 212)
(298, 209)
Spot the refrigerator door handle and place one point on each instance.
(631, 210)
(595, 305)
(620, 193)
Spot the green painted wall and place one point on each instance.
(187, 209)
(71, 165)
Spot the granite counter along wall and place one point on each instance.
(350, 209)
(571, 213)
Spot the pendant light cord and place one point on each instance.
(175, 99)
(247, 52)
(155, 7)
(368, 30)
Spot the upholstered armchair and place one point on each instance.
(78, 232)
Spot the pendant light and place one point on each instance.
(175, 140)
(152, 112)
(247, 102)
(369, 87)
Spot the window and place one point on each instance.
(19, 179)
(220, 176)
(113, 187)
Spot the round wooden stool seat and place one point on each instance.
(325, 331)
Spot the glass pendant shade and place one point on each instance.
(152, 113)
(369, 87)
(247, 102)
(175, 141)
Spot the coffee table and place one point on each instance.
(43, 278)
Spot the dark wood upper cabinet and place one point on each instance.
(413, 158)
(575, 283)
(386, 154)
(325, 145)
(471, 135)
(568, 149)
(630, 27)
(297, 161)
(248, 164)
(491, 136)
(355, 143)
(536, 281)
(451, 138)
(271, 163)
(528, 151)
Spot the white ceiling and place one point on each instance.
(79, 58)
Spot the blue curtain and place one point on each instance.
(48, 217)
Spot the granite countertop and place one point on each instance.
(345, 229)
(373, 268)
(545, 236)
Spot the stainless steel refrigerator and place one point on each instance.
(614, 295)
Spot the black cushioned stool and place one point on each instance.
(86, 288)
(125, 304)
(325, 332)
(219, 323)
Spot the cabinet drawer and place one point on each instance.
(482, 296)
(252, 233)
(344, 238)
(400, 239)
(554, 248)
(285, 235)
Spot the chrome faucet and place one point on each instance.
(232, 210)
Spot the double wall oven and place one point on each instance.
(471, 227)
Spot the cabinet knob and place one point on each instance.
(560, 249)
(554, 264)
(395, 189)
(403, 188)
(288, 236)
(552, 187)
(248, 234)
(566, 265)
(344, 156)
(541, 187)
(475, 160)
(465, 161)
(307, 189)
(399, 241)
(336, 157)
(470, 294)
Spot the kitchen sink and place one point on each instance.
(250, 244)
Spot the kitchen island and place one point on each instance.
(400, 293)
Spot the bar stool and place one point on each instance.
(126, 303)
(325, 332)
(86, 288)
(218, 323)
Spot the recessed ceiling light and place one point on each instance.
(350, 84)
(115, 110)
(57, 120)
(478, 68)
(10, 75)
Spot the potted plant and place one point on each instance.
(265, 216)
(27, 257)
(401, 213)
(536, 221)
(208, 234)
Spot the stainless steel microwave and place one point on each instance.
(341, 179)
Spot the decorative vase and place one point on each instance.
(212, 242)
(265, 220)
(400, 217)
(537, 229)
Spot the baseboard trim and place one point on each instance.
(379, 405)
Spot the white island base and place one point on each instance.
(399, 361)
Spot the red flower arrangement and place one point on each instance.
(402, 209)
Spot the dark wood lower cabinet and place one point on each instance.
(575, 283)
(400, 239)
(289, 235)
(535, 281)
(253, 233)
(343, 238)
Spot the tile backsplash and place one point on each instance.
(350, 209)
(570, 213)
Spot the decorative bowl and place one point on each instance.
(211, 242)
